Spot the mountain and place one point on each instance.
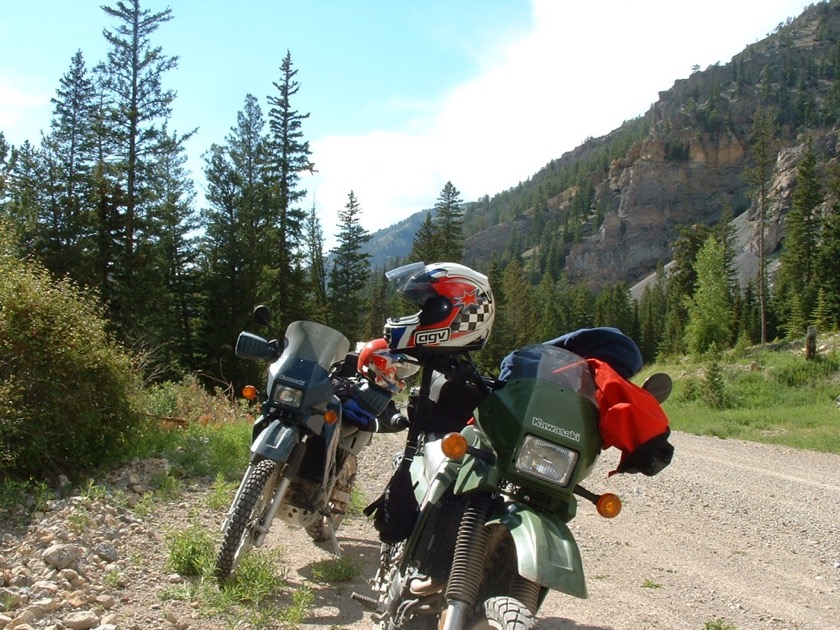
(609, 210)
(392, 244)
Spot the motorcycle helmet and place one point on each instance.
(456, 308)
(384, 368)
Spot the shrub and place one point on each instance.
(65, 385)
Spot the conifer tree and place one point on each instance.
(652, 310)
(235, 241)
(426, 245)
(827, 268)
(449, 224)
(796, 274)
(318, 306)
(550, 322)
(763, 157)
(349, 273)
(70, 150)
(172, 323)
(137, 110)
(709, 313)
(288, 157)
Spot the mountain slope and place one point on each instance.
(609, 210)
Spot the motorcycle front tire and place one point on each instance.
(248, 511)
(502, 613)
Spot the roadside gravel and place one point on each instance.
(744, 533)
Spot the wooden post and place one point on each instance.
(811, 343)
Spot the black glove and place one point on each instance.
(650, 458)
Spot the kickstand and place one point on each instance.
(333, 538)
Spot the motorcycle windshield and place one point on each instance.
(315, 342)
(554, 365)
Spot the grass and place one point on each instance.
(718, 624)
(769, 396)
(221, 493)
(258, 593)
(344, 569)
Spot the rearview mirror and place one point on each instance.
(262, 315)
(659, 385)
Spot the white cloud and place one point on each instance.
(17, 109)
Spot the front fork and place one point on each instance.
(289, 470)
(468, 563)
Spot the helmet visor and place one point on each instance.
(412, 282)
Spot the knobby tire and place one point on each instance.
(249, 508)
(502, 613)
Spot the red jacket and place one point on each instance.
(631, 420)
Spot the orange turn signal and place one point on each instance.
(454, 445)
(608, 505)
(249, 392)
(330, 416)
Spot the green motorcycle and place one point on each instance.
(490, 535)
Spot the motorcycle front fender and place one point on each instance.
(546, 550)
(276, 441)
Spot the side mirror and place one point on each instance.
(262, 315)
(659, 385)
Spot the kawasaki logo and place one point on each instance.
(431, 336)
(289, 379)
(542, 424)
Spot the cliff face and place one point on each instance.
(664, 182)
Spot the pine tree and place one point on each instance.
(449, 224)
(137, 109)
(827, 268)
(798, 260)
(70, 150)
(652, 310)
(288, 158)
(318, 305)
(349, 273)
(426, 245)
(709, 313)
(763, 157)
(235, 250)
(172, 324)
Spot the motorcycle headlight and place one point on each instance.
(542, 459)
(288, 396)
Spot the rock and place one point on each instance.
(62, 556)
(81, 620)
(106, 551)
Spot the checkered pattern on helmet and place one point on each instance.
(469, 319)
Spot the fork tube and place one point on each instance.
(468, 562)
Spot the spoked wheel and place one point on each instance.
(247, 513)
(502, 613)
(319, 531)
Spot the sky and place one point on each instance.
(402, 96)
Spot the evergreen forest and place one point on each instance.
(103, 201)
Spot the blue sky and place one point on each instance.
(402, 95)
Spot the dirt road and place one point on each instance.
(734, 531)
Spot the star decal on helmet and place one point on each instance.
(470, 298)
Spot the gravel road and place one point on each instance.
(734, 531)
(743, 533)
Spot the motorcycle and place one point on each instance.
(303, 458)
(490, 535)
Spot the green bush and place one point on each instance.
(65, 386)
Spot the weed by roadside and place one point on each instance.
(344, 569)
